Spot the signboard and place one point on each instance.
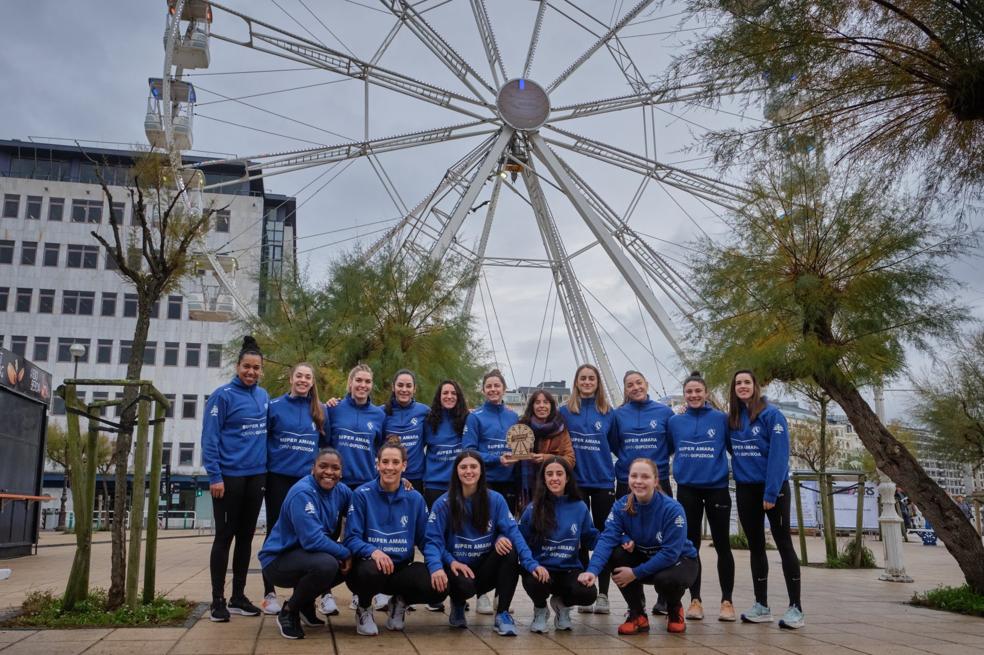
(845, 505)
(23, 377)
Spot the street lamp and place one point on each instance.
(78, 352)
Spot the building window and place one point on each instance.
(18, 345)
(87, 211)
(214, 357)
(150, 353)
(165, 454)
(4, 293)
(104, 351)
(171, 399)
(23, 303)
(29, 253)
(6, 251)
(56, 209)
(11, 205)
(79, 303)
(41, 347)
(171, 353)
(98, 396)
(108, 304)
(189, 406)
(46, 301)
(174, 307)
(126, 347)
(33, 208)
(129, 305)
(193, 354)
(186, 453)
(155, 309)
(51, 254)
(64, 352)
(118, 209)
(58, 406)
(82, 256)
(222, 220)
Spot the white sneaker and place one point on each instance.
(354, 605)
(484, 605)
(381, 602)
(397, 608)
(364, 623)
(328, 606)
(601, 605)
(270, 604)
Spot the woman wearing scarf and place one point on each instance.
(550, 439)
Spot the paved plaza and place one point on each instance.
(846, 612)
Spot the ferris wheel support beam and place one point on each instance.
(483, 242)
(631, 101)
(602, 233)
(488, 41)
(534, 38)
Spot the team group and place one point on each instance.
(441, 480)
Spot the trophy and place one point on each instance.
(519, 439)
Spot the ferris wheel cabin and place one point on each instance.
(182, 110)
(191, 42)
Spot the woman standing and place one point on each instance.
(555, 525)
(550, 439)
(385, 522)
(443, 429)
(641, 428)
(645, 542)
(295, 431)
(700, 466)
(485, 433)
(357, 428)
(758, 438)
(405, 419)
(591, 423)
(234, 453)
(474, 545)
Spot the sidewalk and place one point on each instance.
(847, 612)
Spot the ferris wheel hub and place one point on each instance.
(523, 104)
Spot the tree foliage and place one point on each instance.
(56, 448)
(897, 84)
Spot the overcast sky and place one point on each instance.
(79, 70)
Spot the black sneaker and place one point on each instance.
(660, 607)
(243, 607)
(309, 617)
(217, 612)
(289, 624)
(435, 607)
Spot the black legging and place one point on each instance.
(670, 583)
(492, 571)
(717, 504)
(600, 503)
(563, 583)
(752, 516)
(235, 518)
(308, 574)
(277, 486)
(409, 580)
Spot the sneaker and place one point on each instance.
(601, 605)
(484, 605)
(243, 607)
(270, 604)
(289, 624)
(758, 614)
(364, 623)
(435, 607)
(634, 624)
(328, 606)
(674, 620)
(310, 618)
(354, 604)
(727, 612)
(381, 602)
(562, 614)
(397, 608)
(456, 617)
(659, 607)
(505, 625)
(696, 611)
(586, 609)
(218, 612)
(540, 616)
(792, 619)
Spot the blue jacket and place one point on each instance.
(408, 424)
(558, 551)
(485, 432)
(391, 522)
(700, 439)
(594, 438)
(443, 445)
(234, 431)
(308, 519)
(293, 438)
(658, 528)
(760, 450)
(357, 433)
(641, 429)
(445, 546)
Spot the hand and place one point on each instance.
(538, 457)
(623, 575)
(541, 574)
(345, 566)
(766, 505)
(462, 569)
(439, 580)
(628, 546)
(507, 459)
(407, 485)
(383, 562)
(217, 489)
(332, 402)
(587, 579)
(503, 546)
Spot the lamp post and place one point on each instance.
(890, 521)
(78, 352)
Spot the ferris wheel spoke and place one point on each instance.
(534, 38)
(489, 43)
(483, 240)
(667, 96)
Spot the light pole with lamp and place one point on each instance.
(77, 351)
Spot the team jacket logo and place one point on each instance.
(678, 521)
(778, 429)
(574, 529)
(711, 433)
(404, 520)
(215, 410)
(597, 425)
(309, 508)
(659, 536)
(653, 423)
(413, 421)
(370, 425)
(313, 426)
(755, 430)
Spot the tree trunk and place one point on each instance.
(895, 460)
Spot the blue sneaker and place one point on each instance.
(759, 613)
(505, 625)
(792, 619)
(456, 617)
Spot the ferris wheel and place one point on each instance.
(508, 117)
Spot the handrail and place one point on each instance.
(24, 497)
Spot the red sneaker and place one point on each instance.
(674, 620)
(634, 624)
